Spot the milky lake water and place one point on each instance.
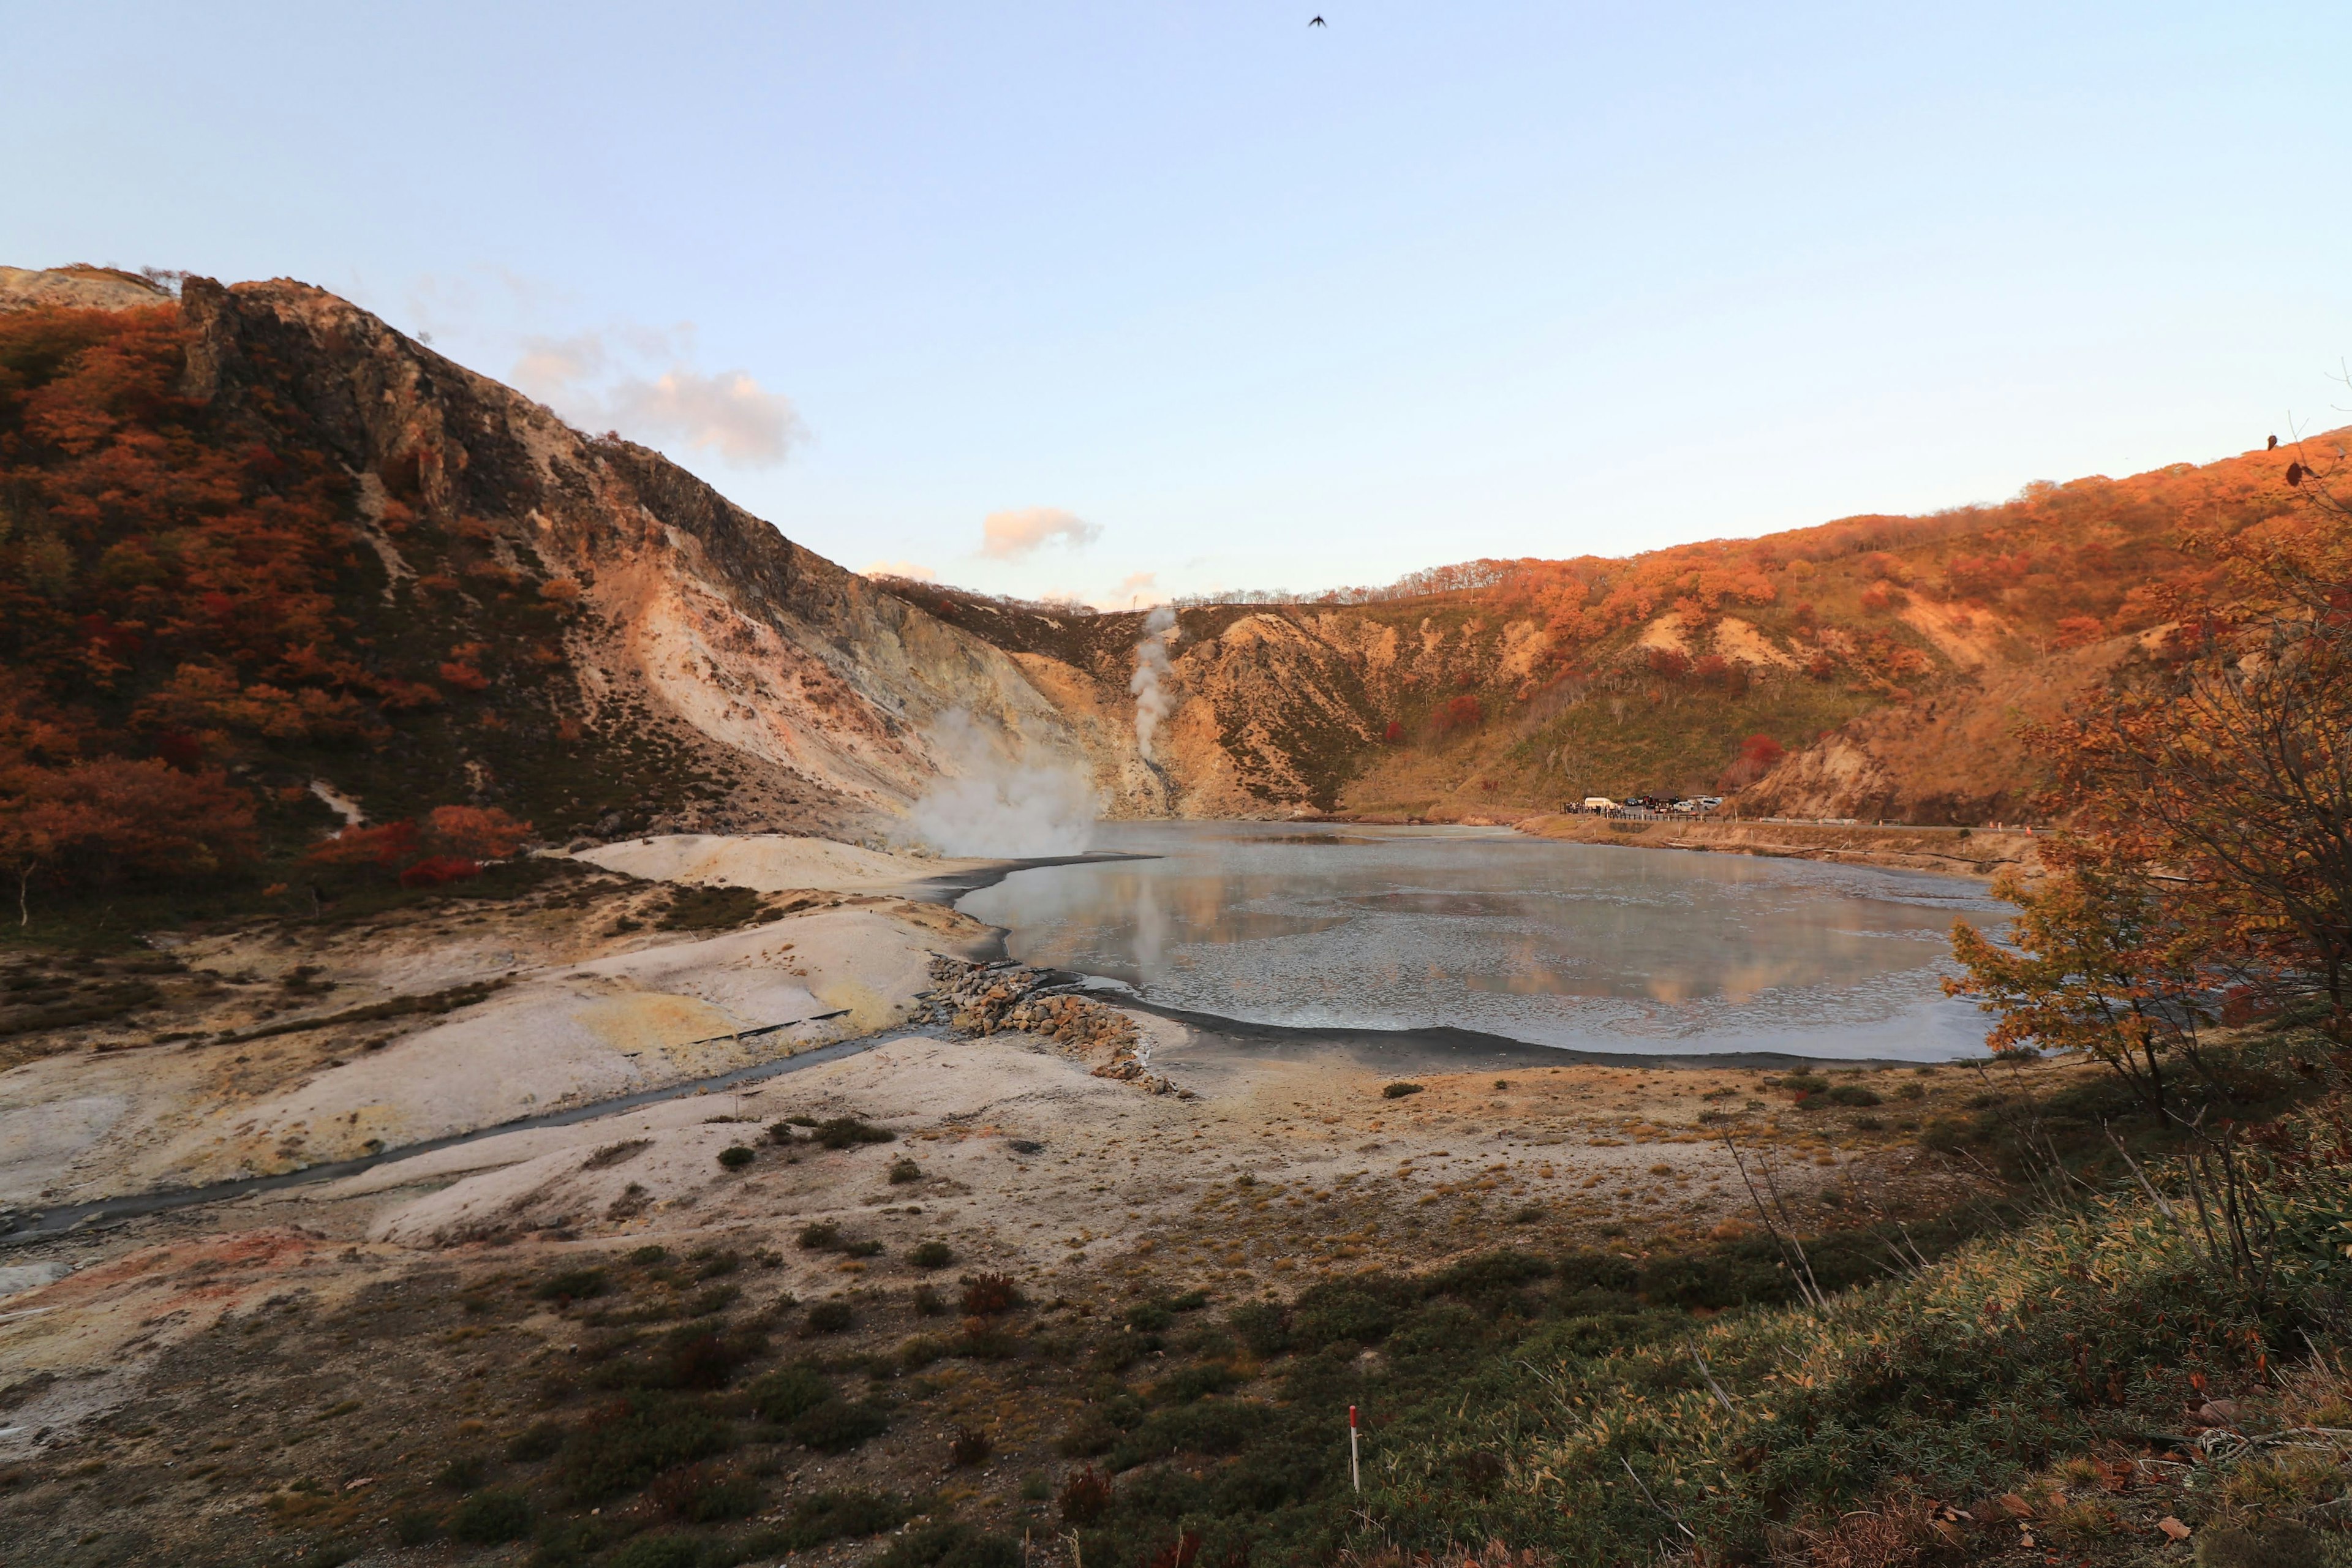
(1576, 945)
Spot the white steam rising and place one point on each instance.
(990, 806)
(1152, 673)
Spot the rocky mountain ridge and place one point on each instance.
(504, 611)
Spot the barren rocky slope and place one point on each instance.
(604, 642)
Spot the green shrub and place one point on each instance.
(1597, 1272)
(416, 1526)
(624, 1443)
(1399, 1090)
(837, 1426)
(536, 1442)
(951, 1546)
(1197, 1380)
(1336, 1310)
(903, 1171)
(490, 1517)
(1438, 1327)
(1854, 1094)
(1262, 1326)
(820, 1235)
(461, 1473)
(1213, 1426)
(1726, 1277)
(847, 1132)
(566, 1544)
(699, 1495)
(931, 1255)
(735, 1156)
(1488, 1274)
(1086, 1437)
(789, 1392)
(828, 1317)
(572, 1285)
(658, 1552)
(830, 1516)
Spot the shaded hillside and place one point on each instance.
(1876, 666)
(254, 541)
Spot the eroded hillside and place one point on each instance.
(255, 541)
(1878, 667)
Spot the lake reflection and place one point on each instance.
(1565, 944)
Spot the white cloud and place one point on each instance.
(1011, 535)
(1135, 591)
(729, 412)
(581, 378)
(906, 569)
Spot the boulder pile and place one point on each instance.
(989, 998)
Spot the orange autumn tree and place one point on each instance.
(2210, 860)
(449, 846)
(98, 822)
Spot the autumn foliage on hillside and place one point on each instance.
(168, 609)
(2207, 874)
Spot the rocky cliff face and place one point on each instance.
(575, 629)
(618, 645)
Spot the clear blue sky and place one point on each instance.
(1263, 305)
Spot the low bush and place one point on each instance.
(1213, 1426)
(1399, 1090)
(789, 1392)
(1090, 1437)
(460, 1473)
(848, 1132)
(1362, 1310)
(969, 1446)
(664, 1550)
(489, 1517)
(700, 1494)
(828, 1317)
(533, 1443)
(931, 1255)
(572, 1285)
(622, 1445)
(829, 1516)
(951, 1545)
(988, 1295)
(837, 1426)
(735, 1156)
(1262, 1326)
(903, 1171)
(820, 1235)
(1085, 1496)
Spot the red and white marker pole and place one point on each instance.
(1355, 1471)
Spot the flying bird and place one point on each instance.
(1319, 22)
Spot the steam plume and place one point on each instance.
(988, 805)
(1152, 670)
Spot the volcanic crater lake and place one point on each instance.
(1575, 946)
